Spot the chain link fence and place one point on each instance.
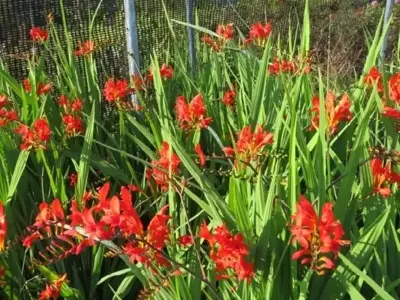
(18, 16)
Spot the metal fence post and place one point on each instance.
(388, 14)
(190, 20)
(132, 39)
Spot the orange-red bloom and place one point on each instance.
(334, 114)
(186, 240)
(53, 290)
(250, 145)
(85, 48)
(374, 77)
(317, 237)
(35, 137)
(228, 251)
(391, 112)
(7, 115)
(27, 85)
(201, 155)
(166, 71)
(168, 163)
(394, 87)
(382, 176)
(229, 98)
(73, 124)
(193, 115)
(225, 31)
(3, 227)
(259, 33)
(39, 34)
(116, 90)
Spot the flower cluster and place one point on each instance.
(334, 114)
(7, 112)
(318, 237)
(53, 289)
(166, 72)
(106, 219)
(259, 33)
(228, 251)
(41, 89)
(383, 175)
(35, 137)
(290, 66)
(71, 117)
(375, 78)
(193, 115)
(39, 35)
(85, 49)
(3, 227)
(165, 167)
(250, 145)
(225, 34)
(229, 98)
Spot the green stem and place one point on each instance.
(49, 173)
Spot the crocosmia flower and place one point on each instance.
(53, 290)
(43, 89)
(250, 145)
(225, 31)
(193, 115)
(374, 77)
(168, 163)
(85, 48)
(259, 33)
(229, 98)
(229, 252)
(39, 34)
(391, 112)
(35, 137)
(200, 153)
(320, 238)
(116, 90)
(166, 71)
(383, 176)
(334, 114)
(394, 87)
(3, 227)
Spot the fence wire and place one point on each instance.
(18, 16)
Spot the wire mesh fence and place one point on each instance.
(18, 16)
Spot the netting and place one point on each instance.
(18, 16)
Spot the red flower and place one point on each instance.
(3, 227)
(201, 155)
(39, 34)
(35, 137)
(115, 90)
(259, 33)
(193, 115)
(210, 42)
(30, 239)
(394, 87)
(250, 145)
(27, 85)
(382, 176)
(63, 101)
(76, 105)
(43, 89)
(186, 240)
(317, 236)
(391, 112)
(333, 114)
(225, 31)
(168, 163)
(73, 179)
(275, 67)
(166, 71)
(228, 251)
(85, 48)
(7, 115)
(374, 77)
(229, 97)
(73, 124)
(53, 290)
(137, 82)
